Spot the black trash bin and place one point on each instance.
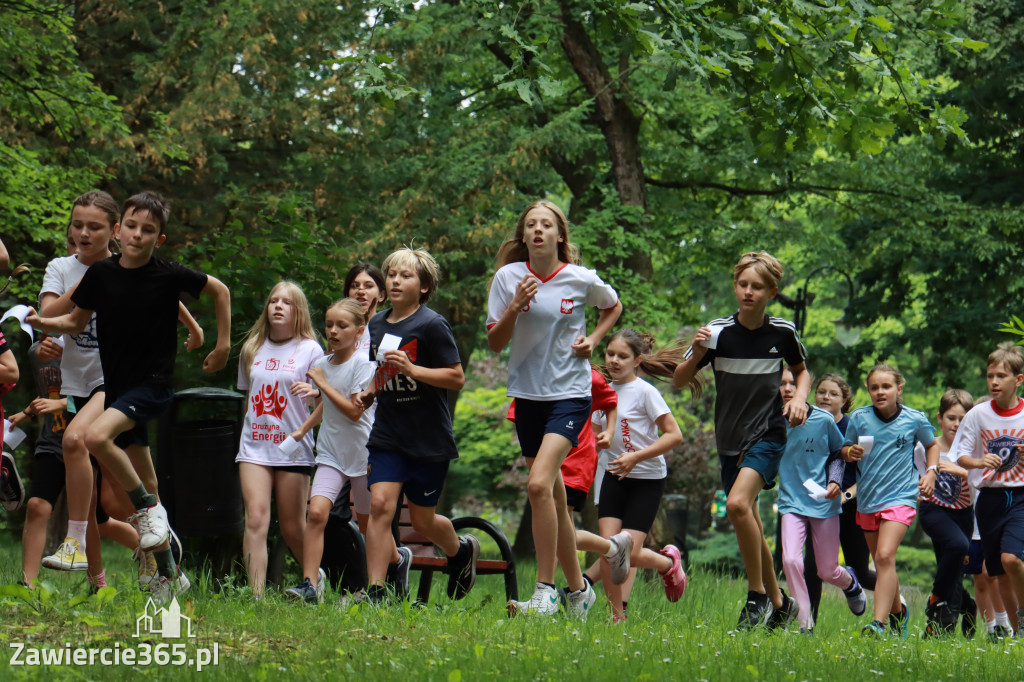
(196, 446)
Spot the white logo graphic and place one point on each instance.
(569, 425)
(169, 618)
(774, 350)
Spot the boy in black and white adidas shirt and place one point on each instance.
(747, 352)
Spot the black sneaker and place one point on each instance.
(462, 567)
(784, 615)
(401, 573)
(376, 595)
(12, 492)
(932, 627)
(968, 617)
(756, 611)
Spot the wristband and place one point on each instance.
(847, 496)
(934, 467)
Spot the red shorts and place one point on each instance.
(900, 513)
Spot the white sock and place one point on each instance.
(1002, 619)
(991, 625)
(76, 530)
(613, 550)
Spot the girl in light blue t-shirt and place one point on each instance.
(881, 438)
(811, 455)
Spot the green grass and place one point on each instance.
(474, 640)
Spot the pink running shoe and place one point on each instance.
(674, 578)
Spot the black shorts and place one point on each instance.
(48, 477)
(1000, 514)
(975, 559)
(295, 469)
(536, 418)
(139, 404)
(633, 500)
(575, 498)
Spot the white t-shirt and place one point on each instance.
(542, 365)
(80, 365)
(363, 348)
(640, 405)
(273, 412)
(988, 429)
(341, 442)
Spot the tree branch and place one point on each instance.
(738, 191)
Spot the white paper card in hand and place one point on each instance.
(866, 442)
(12, 435)
(814, 490)
(290, 447)
(712, 343)
(389, 342)
(19, 312)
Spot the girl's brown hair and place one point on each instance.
(661, 363)
(844, 388)
(100, 200)
(888, 369)
(514, 250)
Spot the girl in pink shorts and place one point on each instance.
(881, 438)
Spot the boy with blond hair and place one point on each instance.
(747, 352)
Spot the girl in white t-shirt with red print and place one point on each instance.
(635, 477)
(537, 303)
(276, 355)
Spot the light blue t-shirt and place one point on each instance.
(887, 477)
(808, 448)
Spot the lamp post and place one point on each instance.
(847, 334)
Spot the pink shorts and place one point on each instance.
(901, 513)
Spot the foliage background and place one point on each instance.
(297, 139)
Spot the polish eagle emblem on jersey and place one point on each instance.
(567, 305)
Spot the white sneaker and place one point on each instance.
(577, 604)
(321, 585)
(544, 602)
(147, 567)
(620, 560)
(162, 589)
(68, 557)
(152, 526)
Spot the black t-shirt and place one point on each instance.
(136, 319)
(413, 418)
(48, 382)
(748, 372)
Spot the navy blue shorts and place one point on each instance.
(1000, 513)
(423, 479)
(536, 418)
(763, 457)
(139, 404)
(975, 559)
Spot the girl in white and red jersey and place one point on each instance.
(948, 518)
(634, 481)
(276, 355)
(537, 303)
(989, 444)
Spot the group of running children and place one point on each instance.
(380, 398)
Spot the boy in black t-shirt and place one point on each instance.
(411, 443)
(135, 298)
(747, 351)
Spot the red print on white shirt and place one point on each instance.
(269, 401)
(567, 305)
(271, 365)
